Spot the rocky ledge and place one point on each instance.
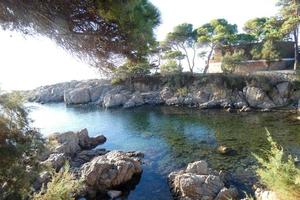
(211, 91)
(198, 182)
(101, 171)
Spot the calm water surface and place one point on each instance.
(172, 137)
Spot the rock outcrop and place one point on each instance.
(110, 170)
(101, 170)
(219, 92)
(197, 181)
(70, 143)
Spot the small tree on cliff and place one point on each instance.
(183, 39)
(216, 33)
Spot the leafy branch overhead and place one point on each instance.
(101, 31)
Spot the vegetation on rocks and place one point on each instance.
(279, 173)
(63, 186)
(19, 147)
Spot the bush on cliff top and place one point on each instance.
(279, 174)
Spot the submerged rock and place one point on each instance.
(195, 182)
(226, 150)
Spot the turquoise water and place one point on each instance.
(172, 137)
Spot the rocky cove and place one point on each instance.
(172, 138)
(209, 91)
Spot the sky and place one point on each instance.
(26, 63)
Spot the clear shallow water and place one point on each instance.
(172, 137)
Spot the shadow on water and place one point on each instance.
(172, 137)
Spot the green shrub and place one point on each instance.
(170, 67)
(182, 92)
(279, 174)
(63, 186)
(116, 81)
(19, 148)
(231, 61)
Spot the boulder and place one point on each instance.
(166, 93)
(70, 143)
(211, 104)
(97, 93)
(77, 96)
(283, 89)
(198, 167)
(152, 98)
(65, 143)
(202, 96)
(196, 182)
(227, 193)
(174, 101)
(86, 156)
(134, 101)
(42, 179)
(86, 142)
(113, 194)
(257, 98)
(55, 160)
(245, 109)
(110, 170)
(114, 100)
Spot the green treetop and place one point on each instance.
(183, 39)
(216, 33)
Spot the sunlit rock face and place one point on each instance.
(110, 170)
(216, 92)
(197, 181)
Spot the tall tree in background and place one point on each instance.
(101, 31)
(216, 33)
(266, 32)
(183, 39)
(256, 28)
(289, 12)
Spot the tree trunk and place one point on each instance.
(208, 59)
(296, 35)
(188, 59)
(296, 49)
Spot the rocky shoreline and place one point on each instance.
(112, 174)
(203, 92)
(102, 172)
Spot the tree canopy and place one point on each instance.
(217, 32)
(99, 30)
(290, 15)
(182, 38)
